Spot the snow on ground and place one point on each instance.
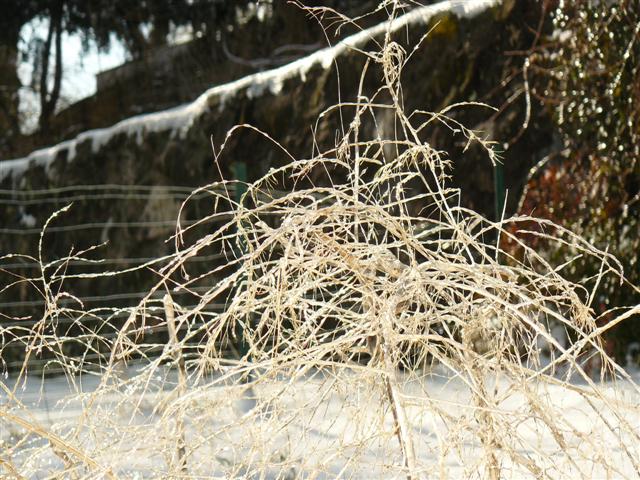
(320, 425)
(178, 120)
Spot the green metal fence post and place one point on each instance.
(239, 171)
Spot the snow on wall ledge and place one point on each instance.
(179, 119)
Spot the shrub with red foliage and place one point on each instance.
(587, 72)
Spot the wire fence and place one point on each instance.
(104, 284)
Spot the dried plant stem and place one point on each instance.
(182, 378)
(12, 472)
(401, 424)
(487, 430)
(69, 464)
(56, 442)
(405, 438)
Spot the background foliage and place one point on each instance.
(587, 73)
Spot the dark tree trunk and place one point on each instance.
(9, 88)
(49, 99)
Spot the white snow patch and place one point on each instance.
(342, 418)
(179, 119)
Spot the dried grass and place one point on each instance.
(369, 341)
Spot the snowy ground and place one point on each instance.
(320, 426)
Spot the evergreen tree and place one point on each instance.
(97, 22)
